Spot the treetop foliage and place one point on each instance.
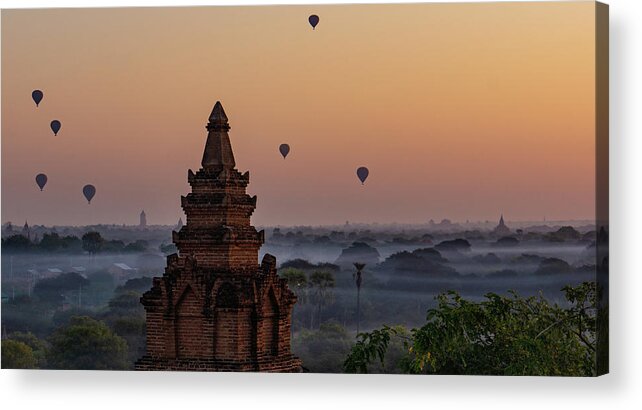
(501, 335)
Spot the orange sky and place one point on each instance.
(460, 111)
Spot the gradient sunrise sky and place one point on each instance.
(460, 111)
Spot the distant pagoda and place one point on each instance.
(26, 232)
(216, 308)
(143, 220)
(501, 229)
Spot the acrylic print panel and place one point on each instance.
(432, 184)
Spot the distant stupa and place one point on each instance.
(501, 229)
(179, 225)
(143, 220)
(216, 308)
(26, 232)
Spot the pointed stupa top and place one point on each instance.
(218, 150)
(501, 220)
(218, 119)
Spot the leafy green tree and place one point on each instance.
(87, 344)
(132, 329)
(38, 347)
(17, 355)
(92, 242)
(62, 317)
(322, 283)
(502, 335)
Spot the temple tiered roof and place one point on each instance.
(216, 308)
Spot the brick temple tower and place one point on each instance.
(215, 308)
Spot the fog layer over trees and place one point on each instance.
(61, 284)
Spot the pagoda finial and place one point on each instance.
(218, 119)
(218, 150)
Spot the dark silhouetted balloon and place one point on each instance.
(284, 149)
(41, 180)
(362, 173)
(89, 191)
(55, 126)
(37, 96)
(314, 20)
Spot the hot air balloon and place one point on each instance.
(284, 149)
(55, 126)
(362, 173)
(37, 96)
(313, 20)
(41, 180)
(89, 191)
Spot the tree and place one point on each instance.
(50, 242)
(137, 246)
(17, 355)
(323, 350)
(71, 244)
(297, 281)
(23, 314)
(113, 246)
(140, 285)
(100, 289)
(16, 243)
(126, 317)
(553, 266)
(501, 335)
(87, 344)
(357, 281)
(321, 283)
(50, 290)
(132, 329)
(126, 303)
(38, 347)
(297, 264)
(92, 242)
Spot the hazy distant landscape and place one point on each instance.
(61, 272)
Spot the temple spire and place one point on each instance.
(218, 150)
(217, 308)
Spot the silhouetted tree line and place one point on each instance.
(91, 242)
